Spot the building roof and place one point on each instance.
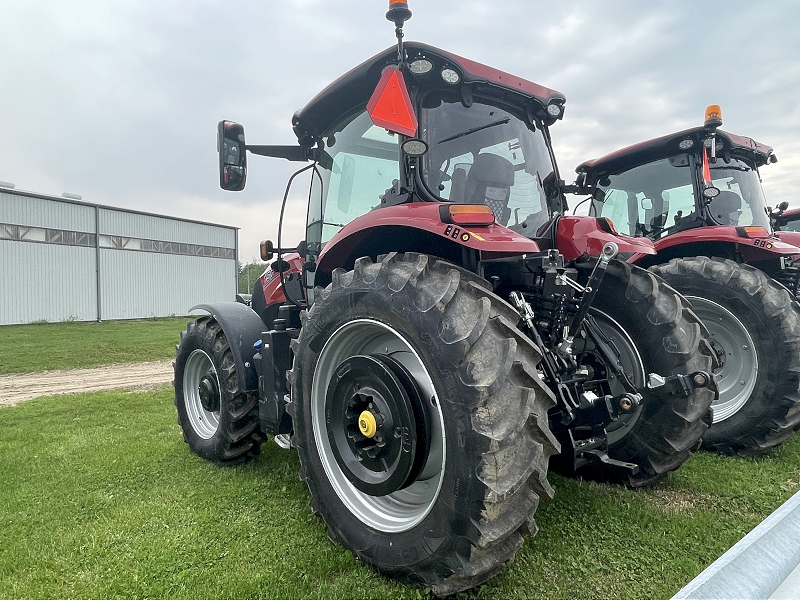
(30, 194)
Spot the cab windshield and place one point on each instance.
(741, 200)
(657, 198)
(486, 155)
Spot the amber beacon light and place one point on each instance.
(713, 116)
(398, 12)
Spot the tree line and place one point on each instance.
(248, 274)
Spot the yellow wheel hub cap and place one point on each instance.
(366, 424)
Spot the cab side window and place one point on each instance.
(360, 162)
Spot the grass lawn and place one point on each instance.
(47, 346)
(102, 499)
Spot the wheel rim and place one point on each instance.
(403, 509)
(631, 361)
(377, 424)
(737, 376)
(200, 381)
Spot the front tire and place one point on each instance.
(459, 512)
(755, 325)
(655, 331)
(219, 421)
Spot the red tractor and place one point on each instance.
(437, 338)
(697, 195)
(786, 220)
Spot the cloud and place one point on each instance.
(120, 101)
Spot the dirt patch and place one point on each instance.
(673, 502)
(24, 386)
(665, 500)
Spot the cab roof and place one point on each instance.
(353, 89)
(666, 146)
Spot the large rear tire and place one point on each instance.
(755, 327)
(477, 465)
(219, 421)
(655, 331)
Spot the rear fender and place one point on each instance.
(693, 241)
(242, 327)
(417, 227)
(578, 236)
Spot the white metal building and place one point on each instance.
(62, 259)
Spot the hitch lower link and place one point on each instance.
(595, 413)
(594, 410)
(585, 430)
(678, 385)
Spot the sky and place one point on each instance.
(119, 101)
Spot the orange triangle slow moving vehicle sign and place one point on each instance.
(706, 169)
(390, 105)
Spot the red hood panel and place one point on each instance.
(790, 237)
(577, 236)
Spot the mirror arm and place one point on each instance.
(574, 189)
(293, 153)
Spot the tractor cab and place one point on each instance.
(700, 177)
(476, 142)
(394, 142)
(436, 128)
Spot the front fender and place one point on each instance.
(271, 281)
(242, 327)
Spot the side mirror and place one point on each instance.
(783, 206)
(232, 156)
(267, 250)
(647, 204)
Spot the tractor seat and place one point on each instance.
(726, 208)
(489, 182)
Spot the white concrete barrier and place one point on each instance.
(763, 565)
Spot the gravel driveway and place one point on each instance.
(23, 386)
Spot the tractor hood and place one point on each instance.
(352, 90)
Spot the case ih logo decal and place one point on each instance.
(268, 276)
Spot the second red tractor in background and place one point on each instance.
(697, 195)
